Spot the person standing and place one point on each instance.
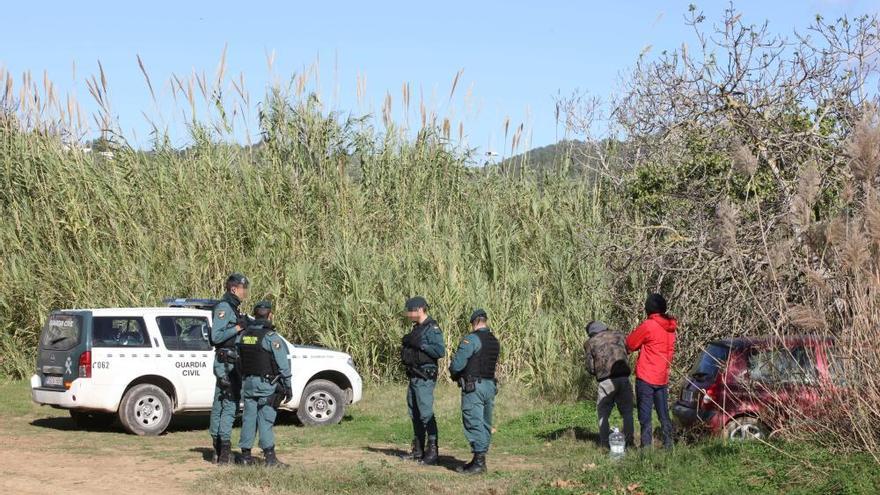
(654, 339)
(421, 348)
(265, 371)
(226, 323)
(473, 367)
(605, 355)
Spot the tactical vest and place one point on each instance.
(482, 364)
(230, 342)
(411, 353)
(255, 360)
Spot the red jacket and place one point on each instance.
(655, 341)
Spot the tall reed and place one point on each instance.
(335, 220)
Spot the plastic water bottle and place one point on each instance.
(617, 443)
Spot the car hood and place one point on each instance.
(314, 352)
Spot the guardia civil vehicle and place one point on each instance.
(144, 365)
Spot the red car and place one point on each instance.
(747, 388)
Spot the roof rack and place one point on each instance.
(184, 302)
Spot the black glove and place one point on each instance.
(243, 321)
(287, 392)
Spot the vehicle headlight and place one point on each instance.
(350, 362)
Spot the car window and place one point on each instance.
(843, 368)
(108, 331)
(783, 366)
(711, 361)
(184, 333)
(61, 332)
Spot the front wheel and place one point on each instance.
(322, 404)
(145, 410)
(745, 429)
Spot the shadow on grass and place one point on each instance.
(178, 424)
(445, 461)
(67, 424)
(289, 418)
(207, 453)
(208, 456)
(574, 432)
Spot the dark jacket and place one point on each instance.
(605, 354)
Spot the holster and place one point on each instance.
(226, 355)
(423, 373)
(230, 386)
(468, 384)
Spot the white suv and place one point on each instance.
(146, 364)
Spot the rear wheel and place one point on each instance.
(145, 410)
(322, 403)
(746, 429)
(89, 420)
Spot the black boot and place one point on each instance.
(417, 452)
(246, 458)
(431, 453)
(216, 454)
(225, 454)
(478, 465)
(467, 465)
(271, 460)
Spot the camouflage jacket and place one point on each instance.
(605, 355)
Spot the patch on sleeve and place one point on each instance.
(466, 341)
(276, 345)
(221, 314)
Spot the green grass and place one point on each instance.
(540, 447)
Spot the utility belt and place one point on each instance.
(268, 378)
(423, 373)
(468, 384)
(226, 355)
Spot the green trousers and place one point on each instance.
(420, 403)
(258, 417)
(225, 402)
(476, 415)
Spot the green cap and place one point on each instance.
(414, 303)
(238, 279)
(264, 304)
(478, 313)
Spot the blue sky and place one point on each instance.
(515, 56)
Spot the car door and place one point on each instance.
(119, 346)
(63, 341)
(782, 382)
(189, 358)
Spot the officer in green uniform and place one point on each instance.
(265, 370)
(226, 324)
(420, 350)
(473, 366)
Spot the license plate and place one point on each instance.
(53, 381)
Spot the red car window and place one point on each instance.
(781, 366)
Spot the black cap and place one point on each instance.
(478, 313)
(654, 304)
(264, 304)
(238, 279)
(414, 303)
(596, 327)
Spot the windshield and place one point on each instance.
(711, 361)
(62, 332)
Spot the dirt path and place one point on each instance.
(37, 465)
(46, 453)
